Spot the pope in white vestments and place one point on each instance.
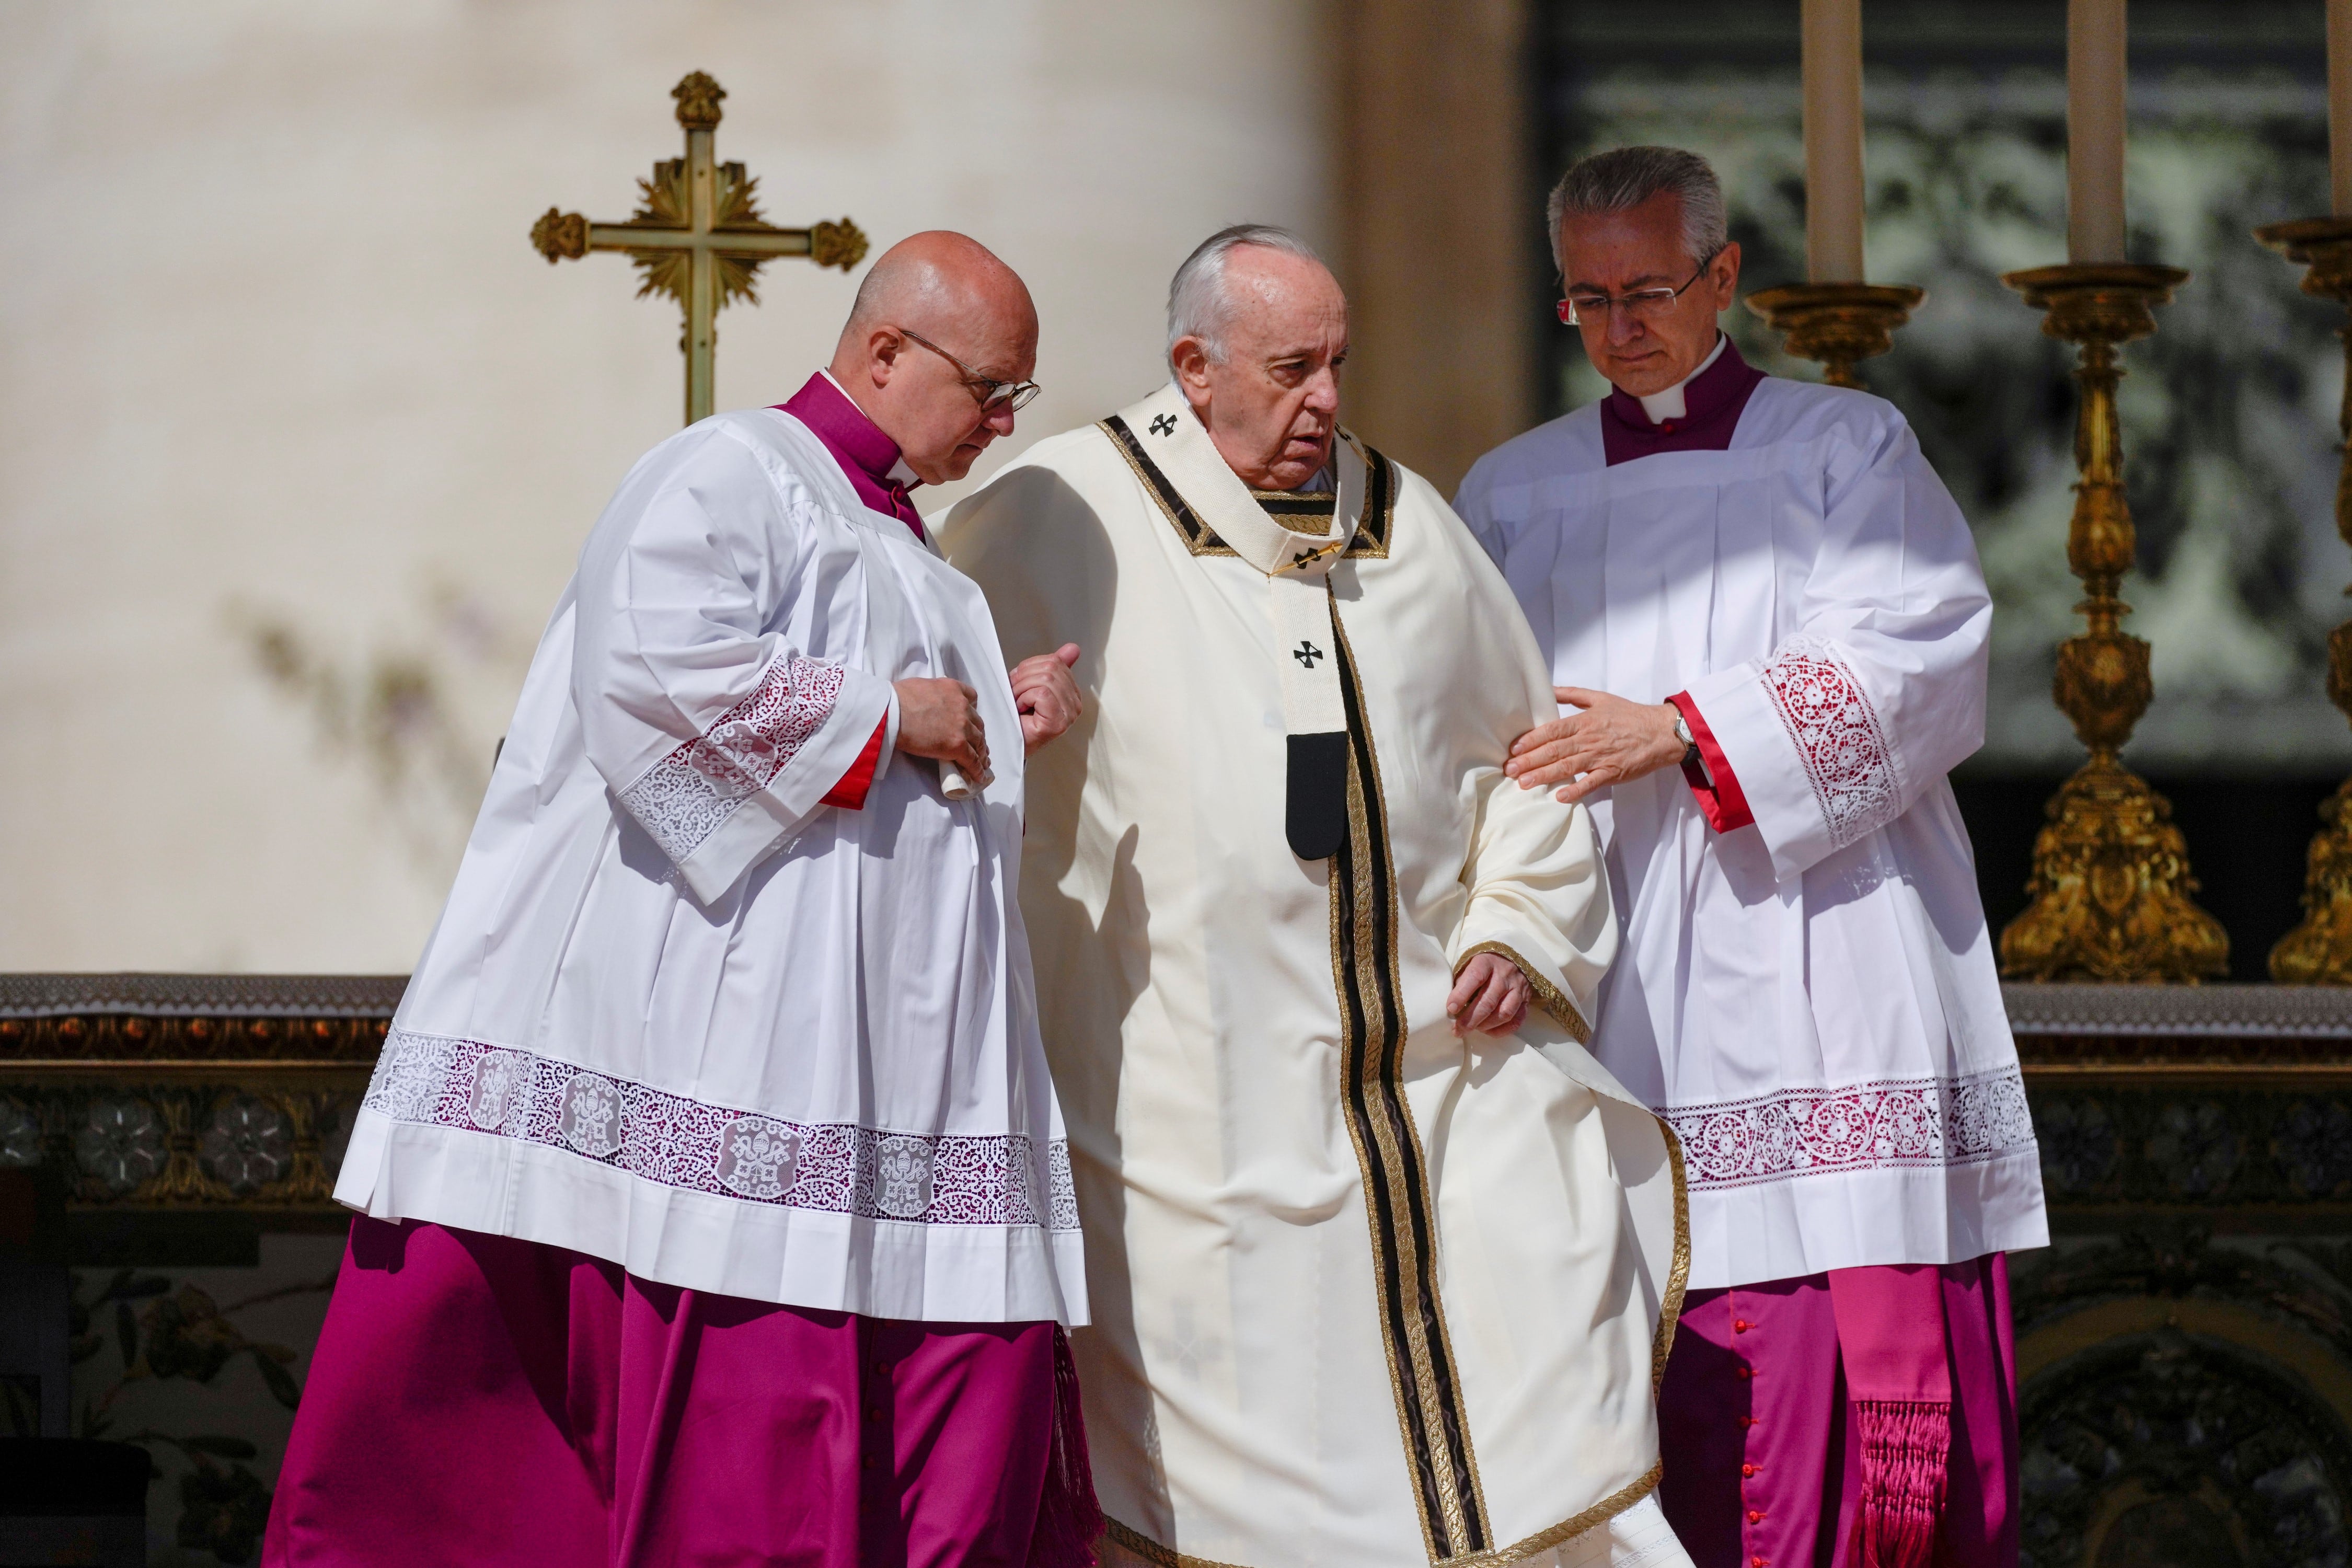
(1769, 612)
(1382, 1264)
(714, 1202)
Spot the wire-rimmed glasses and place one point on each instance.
(1641, 304)
(1011, 396)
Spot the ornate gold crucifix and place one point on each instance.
(697, 236)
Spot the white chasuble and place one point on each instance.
(682, 1014)
(1808, 991)
(1366, 1294)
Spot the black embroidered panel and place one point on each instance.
(1315, 798)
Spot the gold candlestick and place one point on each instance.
(2319, 951)
(2111, 884)
(1839, 324)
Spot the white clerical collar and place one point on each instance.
(1662, 406)
(899, 473)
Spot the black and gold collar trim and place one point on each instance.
(1296, 511)
(1300, 512)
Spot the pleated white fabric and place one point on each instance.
(1811, 1000)
(680, 1014)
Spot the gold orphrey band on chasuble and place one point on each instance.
(1428, 1388)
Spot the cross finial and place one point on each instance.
(698, 101)
(697, 236)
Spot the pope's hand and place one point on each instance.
(941, 719)
(1607, 741)
(1489, 996)
(1045, 694)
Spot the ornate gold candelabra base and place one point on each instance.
(2111, 884)
(2111, 888)
(2319, 951)
(1839, 324)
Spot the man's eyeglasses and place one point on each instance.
(1641, 304)
(993, 394)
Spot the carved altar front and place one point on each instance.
(179, 1115)
(2185, 1343)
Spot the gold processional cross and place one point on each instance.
(697, 236)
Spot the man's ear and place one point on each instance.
(883, 347)
(1190, 359)
(1725, 271)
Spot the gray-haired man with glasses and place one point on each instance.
(1766, 615)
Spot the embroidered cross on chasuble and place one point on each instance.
(1382, 1295)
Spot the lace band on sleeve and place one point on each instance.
(1837, 736)
(684, 798)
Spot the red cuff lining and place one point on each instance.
(1724, 803)
(849, 791)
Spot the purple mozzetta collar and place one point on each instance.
(865, 455)
(1712, 401)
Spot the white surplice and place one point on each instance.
(1811, 1000)
(1366, 1295)
(681, 1014)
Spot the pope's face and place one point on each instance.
(1649, 350)
(1271, 402)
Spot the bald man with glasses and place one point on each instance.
(1765, 618)
(715, 1204)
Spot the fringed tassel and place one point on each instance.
(1906, 1448)
(1069, 1520)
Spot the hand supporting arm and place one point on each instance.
(1606, 740)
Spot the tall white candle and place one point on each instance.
(1834, 188)
(2339, 104)
(2095, 78)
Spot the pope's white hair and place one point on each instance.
(1199, 305)
(1626, 177)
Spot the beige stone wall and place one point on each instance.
(281, 378)
(1439, 222)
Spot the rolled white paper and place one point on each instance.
(2096, 76)
(956, 787)
(2339, 104)
(1833, 180)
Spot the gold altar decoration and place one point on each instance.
(697, 236)
(1839, 324)
(2318, 951)
(2111, 883)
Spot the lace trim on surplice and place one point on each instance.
(684, 798)
(1923, 1122)
(438, 1080)
(1837, 736)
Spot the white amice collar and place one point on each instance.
(1662, 406)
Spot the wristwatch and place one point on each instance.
(1682, 733)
